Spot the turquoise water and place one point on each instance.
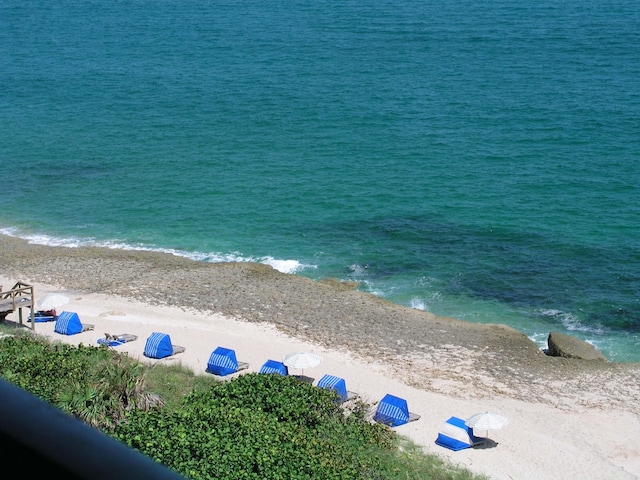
(480, 160)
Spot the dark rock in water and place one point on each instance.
(562, 345)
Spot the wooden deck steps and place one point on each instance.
(20, 296)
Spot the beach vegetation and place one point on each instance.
(98, 385)
(253, 426)
(174, 382)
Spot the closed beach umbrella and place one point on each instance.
(52, 301)
(302, 360)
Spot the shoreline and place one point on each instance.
(441, 365)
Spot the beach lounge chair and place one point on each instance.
(159, 346)
(116, 340)
(394, 411)
(455, 435)
(273, 366)
(338, 385)
(68, 323)
(223, 362)
(44, 316)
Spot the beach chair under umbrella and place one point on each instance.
(455, 435)
(394, 411)
(302, 360)
(273, 366)
(223, 362)
(68, 323)
(485, 421)
(337, 384)
(159, 346)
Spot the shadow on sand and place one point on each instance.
(488, 443)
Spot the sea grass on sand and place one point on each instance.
(486, 360)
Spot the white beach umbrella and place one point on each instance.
(52, 301)
(486, 421)
(302, 360)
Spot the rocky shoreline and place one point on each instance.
(485, 360)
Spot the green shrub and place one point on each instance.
(255, 426)
(97, 385)
(259, 426)
(173, 382)
(41, 367)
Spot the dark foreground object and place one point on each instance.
(37, 438)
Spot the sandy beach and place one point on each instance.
(569, 419)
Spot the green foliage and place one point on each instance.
(174, 382)
(97, 385)
(406, 461)
(255, 426)
(283, 397)
(40, 367)
(116, 388)
(259, 426)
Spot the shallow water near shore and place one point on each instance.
(478, 163)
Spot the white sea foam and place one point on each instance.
(570, 321)
(367, 286)
(358, 270)
(418, 304)
(573, 323)
(41, 239)
(284, 266)
(540, 339)
(550, 312)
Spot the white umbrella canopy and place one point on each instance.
(486, 421)
(52, 301)
(302, 360)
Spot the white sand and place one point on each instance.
(540, 442)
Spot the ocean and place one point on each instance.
(479, 160)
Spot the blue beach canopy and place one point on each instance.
(455, 435)
(68, 323)
(158, 346)
(273, 366)
(222, 362)
(392, 411)
(335, 383)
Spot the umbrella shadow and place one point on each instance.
(487, 443)
(304, 378)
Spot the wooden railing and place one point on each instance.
(19, 297)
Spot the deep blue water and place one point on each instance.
(480, 160)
